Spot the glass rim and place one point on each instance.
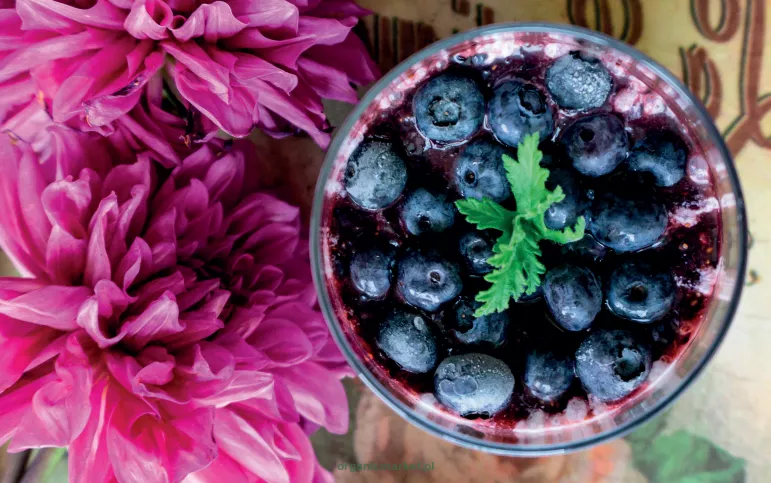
(365, 375)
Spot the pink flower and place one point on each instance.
(242, 63)
(169, 329)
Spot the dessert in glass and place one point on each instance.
(528, 238)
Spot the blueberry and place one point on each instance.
(663, 154)
(516, 110)
(576, 81)
(566, 212)
(371, 272)
(611, 364)
(587, 248)
(375, 175)
(489, 329)
(573, 296)
(449, 108)
(425, 212)
(548, 375)
(596, 144)
(640, 293)
(475, 248)
(626, 221)
(407, 339)
(473, 384)
(426, 280)
(479, 172)
(533, 297)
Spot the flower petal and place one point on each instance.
(212, 21)
(318, 395)
(282, 342)
(63, 18)
(245, 443)
(20, 344)
(149, 450)
(159, 319)
(149, 19)
(60, 409)
(52, 306)
(16, 401)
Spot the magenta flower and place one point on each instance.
(241, 63)
(169, 329)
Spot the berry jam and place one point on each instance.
(614, 310)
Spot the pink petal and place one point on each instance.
(143, 381)
(251, 67)
(222, 469)
(157, 141)
(60, 409)
(149, 19)
(327, 81)
(20, 344)
(16, 401)
(278, 16)
(302, 467)
(213, 21)
(159, 319)
(318, 395)
(149, 450)
(310, 321)
(94, 316)
(224, 178)
(15, 237)
(197, 61)
(197, 328)
(282, 342)
(66, 204)
(31, 186)
(52, 306)
(98, 264)
(66, 256)
(105, 72)
(274, 401)
(136, 265)
(260, 392)
(62, 18)
(88, 458)
(233, 114)
(246, 443)
(293, 111)
(59, 47)
(153, 289)
(349, 56)
(109, 105)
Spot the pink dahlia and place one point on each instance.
(241, 63)
(169, 327)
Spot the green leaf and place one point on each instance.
(682, 457)
(567, 235)
(486, 214)
(517, 268)
(526, 176)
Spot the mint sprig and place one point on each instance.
(516, 255)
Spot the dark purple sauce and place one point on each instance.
(689, 249)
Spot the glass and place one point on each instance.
(535, 439)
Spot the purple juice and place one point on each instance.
(614, 310)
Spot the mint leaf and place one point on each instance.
(516, 255)
(567, 235)
(486, 214)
